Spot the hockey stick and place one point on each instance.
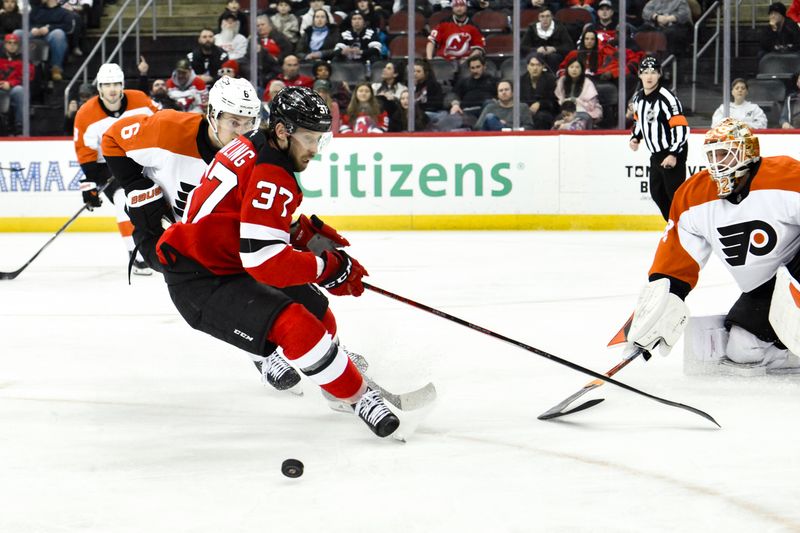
(14, 274)
(537, 351)
(559, 409)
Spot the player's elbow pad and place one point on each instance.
(659, 319)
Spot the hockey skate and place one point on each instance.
(373, 411)
(362, 365)
(139, 267)
(275, 371)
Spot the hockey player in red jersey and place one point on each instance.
(237, 271)
(112, 103)
(746, 210)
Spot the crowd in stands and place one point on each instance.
(354, 53)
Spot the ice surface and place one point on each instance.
(115, 416)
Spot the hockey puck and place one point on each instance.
(292, 468)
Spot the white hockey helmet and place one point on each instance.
(110, 73)
(236, 96)
(730, 147)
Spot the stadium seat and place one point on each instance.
(607, 95)
(775, 66)
(5, 102)
(490, 21)
(574, 18)
(507, 68)
(398, 47)
(438, 17)
(528, 17)
(445, 72)
(349, 72)
(398, 23)
(769, 95)
(39, 51)
(652, 42)
(376, 70)
(500, 45)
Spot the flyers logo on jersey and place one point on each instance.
(755, 237)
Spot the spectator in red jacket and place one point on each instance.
(456, 39)
(11, 76)
(290, 74)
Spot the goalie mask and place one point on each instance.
(235, 96)
(730, 148)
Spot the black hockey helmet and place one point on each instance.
(300, 107)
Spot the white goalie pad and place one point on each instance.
(784, 312)
(659, 319)
(704, 344)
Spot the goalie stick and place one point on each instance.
(539, 352)
(14, 274)
(559, 410)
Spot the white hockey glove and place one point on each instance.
(659, 318)
(784, 311)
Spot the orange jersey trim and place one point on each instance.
(678, 120)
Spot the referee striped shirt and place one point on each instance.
(658, 119)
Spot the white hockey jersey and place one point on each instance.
(752, 238)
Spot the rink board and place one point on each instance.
(521, 180)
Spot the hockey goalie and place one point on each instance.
(746, 210)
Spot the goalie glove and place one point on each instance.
(147, 207)
(659, 319)
(315, 236)
(342, 274)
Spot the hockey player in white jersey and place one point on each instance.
(746, 210)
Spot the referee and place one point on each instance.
(658, 119)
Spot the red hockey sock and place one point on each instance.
(306, 341)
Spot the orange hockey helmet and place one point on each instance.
(729, 148)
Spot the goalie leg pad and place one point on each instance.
(784, 313)
(659, 319)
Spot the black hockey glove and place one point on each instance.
(342, 274)
(147, 207)
(91, 196)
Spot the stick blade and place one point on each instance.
(8, 275)
(550, 415)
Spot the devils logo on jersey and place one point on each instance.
(755, 237)
(457, 44)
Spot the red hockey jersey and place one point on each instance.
(456, 41)
(238, 219)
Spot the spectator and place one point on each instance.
(229, 68)
(674, 19)
(206, 58)
(575, 86)
(52, 24)
(160, 96)
(399, 119)
(359, 43)
(11, 77)
(427, 91)
(290, 74)
(779, 36)
(569, 120)
(547, 38)
(323, 88)
(474, 91)
(232, 8)
(794, 11)
(499, 114)
(340, 91)
(364, 114)
(538, 92)
(77, 9)
(157, 90)
(320, 39)
(741, 109)
(286, 22)
(274, 47)
(10, 17)
(186, 89)
(456, 39)
(790, 115)
(85, 91)
(229, 38)
(389, 89)
(373, 17)
(307, 19)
